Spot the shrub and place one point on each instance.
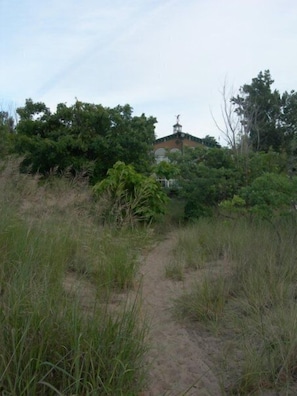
(130, 196)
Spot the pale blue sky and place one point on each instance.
(163, 57)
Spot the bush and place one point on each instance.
(129, 196)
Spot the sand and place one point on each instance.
(176, 363)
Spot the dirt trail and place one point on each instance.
(178, 365)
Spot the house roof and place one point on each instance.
(179, 135)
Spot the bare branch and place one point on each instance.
(232, 128)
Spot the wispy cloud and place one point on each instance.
(164, 58)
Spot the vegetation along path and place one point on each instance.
(177, 364)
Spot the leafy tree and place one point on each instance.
(165, 169)
(209, 186)
(259, 118)
(267, 197)
(289, 124)
(289, 115)
(270, 194)
(270, 162)
(259, 108)
(210, 177)
(254, 164)
(83, 136)
(218, 158)
(6, 130)
(210, 141)
(206, 177)
(6, 122)
(130, 196)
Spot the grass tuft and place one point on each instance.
(206, 300)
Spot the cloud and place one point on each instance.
(163, 58)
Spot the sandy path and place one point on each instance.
(178, 366)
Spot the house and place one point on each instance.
(176, 142)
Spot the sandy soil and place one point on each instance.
(179, 360)
(177, 363)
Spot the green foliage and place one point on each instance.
(267, 197)
(235, 202)
(270, 194)
(206, 177)
(130, 196)
(210, 141)
(210, 178)
(268, 119)
(6, 130)
(289, 116)
(165, 169)
(261, 162)
(83, 137)
(235, 206)
(260, 110)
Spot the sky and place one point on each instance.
(163, 57)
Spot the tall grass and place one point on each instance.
(50, 344)
(251, 295)
(200, 244)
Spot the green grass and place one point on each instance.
(175, 269)
(50, 344)
(206, 300)
(250, 297)
(203, 242)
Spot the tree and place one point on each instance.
(7, 125)
(270, 194)
(166, 170)
(232, 128)
(289, 125)
(289, 115)
(83, 137)
(206, 177)
(6, 122)
(259, 117)
(210, 141)
(260, 110)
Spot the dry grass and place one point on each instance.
(49, 233)
(252, 300)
